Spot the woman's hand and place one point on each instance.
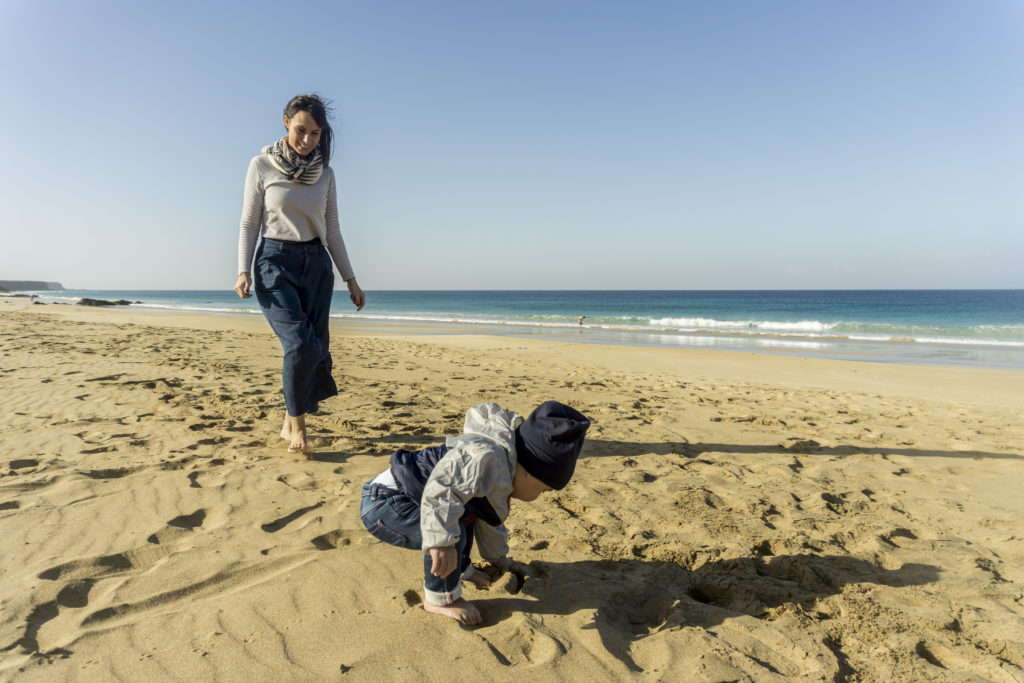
(356, 294)
(243, 285)
(444, 561)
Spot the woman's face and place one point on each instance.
(303, 132)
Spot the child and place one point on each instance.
(443, 498)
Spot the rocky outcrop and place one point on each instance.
(29, 286)
(103, 302)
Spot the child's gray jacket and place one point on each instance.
(480, 463)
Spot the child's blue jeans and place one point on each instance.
(394, 518)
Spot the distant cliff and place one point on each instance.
(28, 286)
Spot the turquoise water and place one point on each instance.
(961, 327)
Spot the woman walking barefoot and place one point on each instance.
(291, 202)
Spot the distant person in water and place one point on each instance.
(440, 499)
(291, 202)
(582, 318)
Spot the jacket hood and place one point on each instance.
(491, 421)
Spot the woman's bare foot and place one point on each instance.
(478, 579)
(294, 432)
(461, 611)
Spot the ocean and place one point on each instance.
(959, 327)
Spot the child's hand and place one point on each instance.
(444, 561)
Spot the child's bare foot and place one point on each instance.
(294, 432)
(478, 579)
(461, 610)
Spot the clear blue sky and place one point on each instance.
(539, 144)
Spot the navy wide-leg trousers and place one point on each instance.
(293, 283)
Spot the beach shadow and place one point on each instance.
(386, 445)
(600, 448)
(605, 448)
(636, 598)
(335, 457)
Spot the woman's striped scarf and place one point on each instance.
(286, 161)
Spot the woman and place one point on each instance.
(291, 202)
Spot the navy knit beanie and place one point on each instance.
(549, 441)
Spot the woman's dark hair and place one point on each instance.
(319, 109)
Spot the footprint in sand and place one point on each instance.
(212, 441)
(98, 449)
(281, 522)
(897, 533)
(179, 525)
(79, 578)
(106, 378)
(74, 595)
(110, 473)
(239, 428)
(338, 538)
(526, 642)
(989, 666)
(987, 565)
(22, 463)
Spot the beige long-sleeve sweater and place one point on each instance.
(279, 208)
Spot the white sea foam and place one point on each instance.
(806, 334)
(200, 309)
(452, 319)
(686, 324)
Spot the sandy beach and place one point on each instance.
(734, 517)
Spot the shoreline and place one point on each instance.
(998, 384)
(899, 351)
